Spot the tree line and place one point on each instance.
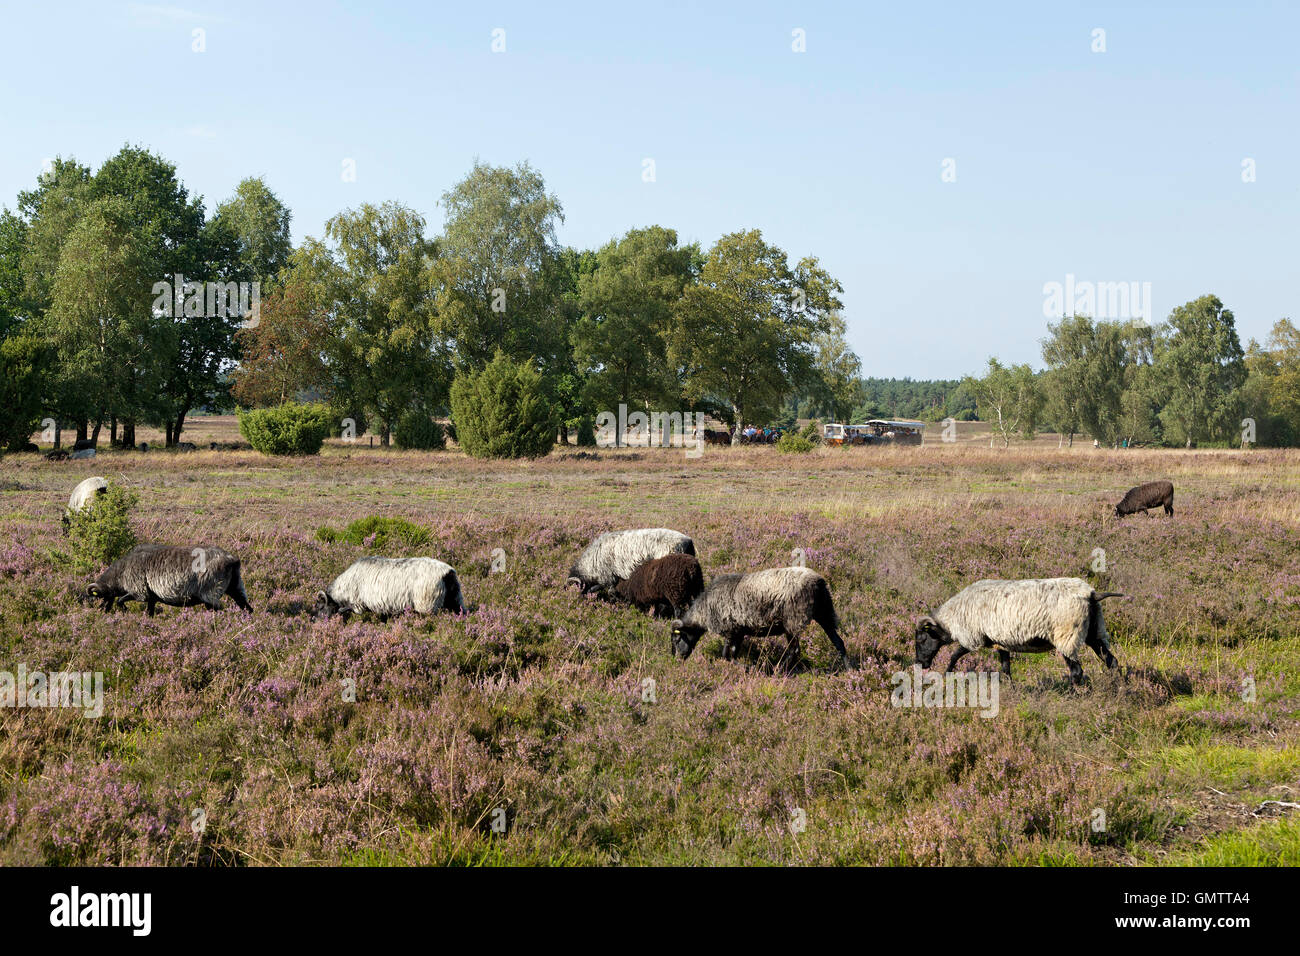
(377, 319)
(1183, 382)
(108, 320)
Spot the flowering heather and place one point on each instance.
(544, 726)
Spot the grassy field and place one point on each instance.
(534, 712)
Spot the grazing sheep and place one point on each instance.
(387, 586)
(83, 453)
(671, 582)
(614, 555)
(178, 576)
(1154, 494)
(81, 496)
(88, 489)
(777, 601)
(186, 446)
(58, 454)
(1028, 616)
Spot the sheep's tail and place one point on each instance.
(824, 606)
(1102, 595)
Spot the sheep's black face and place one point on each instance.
(104, 595)
(929, 638)
(325, 608)
(684, 639)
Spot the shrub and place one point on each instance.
(418, 430)
(812, 431)
(502, 411)
(288, 429)
(793, 444)
(586, 432)
(379, 528)
(101, 532)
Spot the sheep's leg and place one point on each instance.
(150, 602)
(957, 655)
(1004, 658)
(1076, 672)
(730, 644)
(1169, 509)
(791, 655)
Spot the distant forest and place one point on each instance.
(929, 401)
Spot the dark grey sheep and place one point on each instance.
(177, 576)
(776, 601)
(1154, 494)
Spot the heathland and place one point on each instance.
(545, 727)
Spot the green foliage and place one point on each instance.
(1010, 399)
(498, 271)
(288, 429)
(586, 432)
(24, 372)
(502, 412)
(1201, 369)
(628, 301)
(377, 531)
(383, 354)
(101, 532)
(794, 444)
(417, 430)
(745, 332)
(812, 432)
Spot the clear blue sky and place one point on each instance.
(1115, 166)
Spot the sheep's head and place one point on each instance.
(326, 607)
(930, 636)
(684, 638)
(103, 593)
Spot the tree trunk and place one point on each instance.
(81, 430)
(167, 441)
(740, 424)
(94, 436)
(58, 435)
(112, 432)
(128, 433)
(383, 436)
(180, 424)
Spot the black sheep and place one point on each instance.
(1154, 494)
(671, 582)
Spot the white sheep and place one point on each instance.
(1028, 616)
(614, 555)
(776, 601)
(387, 586)
(82, 494)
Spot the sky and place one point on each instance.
(945, 161)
